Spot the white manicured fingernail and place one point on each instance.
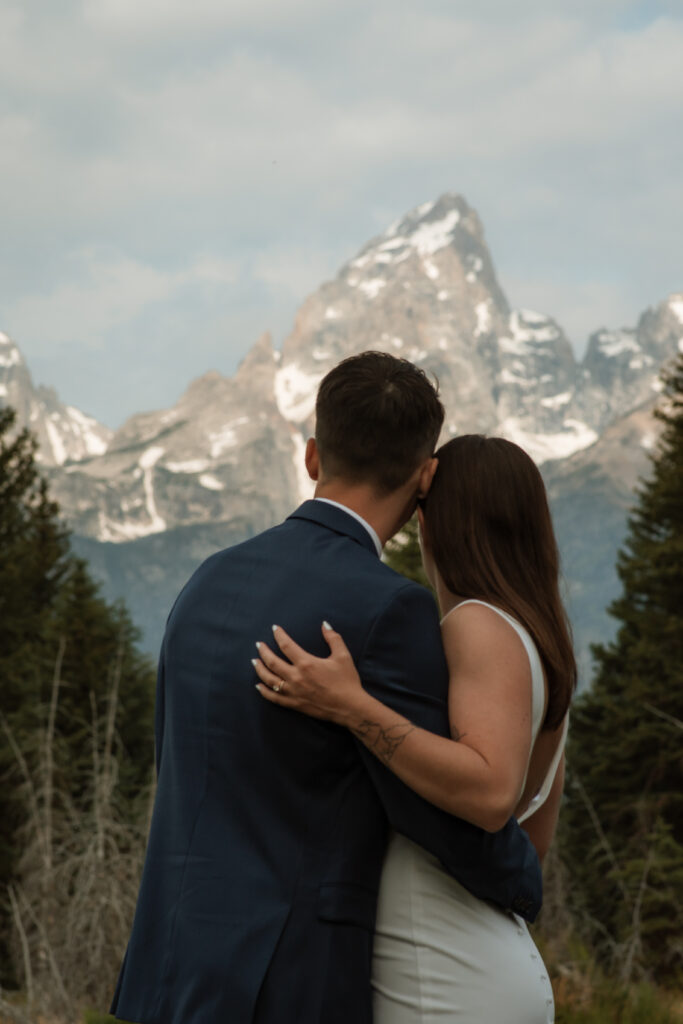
(254, 662)
(326, 625)
(258, 646)
(274, 628)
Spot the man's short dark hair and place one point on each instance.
(377, 419)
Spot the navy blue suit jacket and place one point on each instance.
(257, 901)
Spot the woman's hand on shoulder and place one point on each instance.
(327, 688)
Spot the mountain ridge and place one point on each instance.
(226, 460)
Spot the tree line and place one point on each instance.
(76, 750)
(76, 754)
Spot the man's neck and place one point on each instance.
(383, 514)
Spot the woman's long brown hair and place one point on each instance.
(489, 529)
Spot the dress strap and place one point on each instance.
(537, 678)
(536, 802)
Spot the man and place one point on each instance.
(258, 895)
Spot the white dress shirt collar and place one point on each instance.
(345, 508)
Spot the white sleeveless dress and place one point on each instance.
(441, 955)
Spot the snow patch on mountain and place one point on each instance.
(118, 532)
(305, 486)
(11, 356)
(557, 401)
(373, 287)
(530, 328)
(147, 462)
(221, 440)
(404, 237)
(295, 392)
(614, 343)
(475, 265)
(433, 235)
(210, 482)
(516, 379)
(483, 315)
(56, 443)
(92, 435)
(544, 447)
(188, 466)
(676, 307)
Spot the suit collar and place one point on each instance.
(336, 519)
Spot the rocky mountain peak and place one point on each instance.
(9, 352)
(231, 449)
(442, 241)
(257, 370)
(625, 362)
(64, 433)
(426, 289)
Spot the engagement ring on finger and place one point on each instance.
(279, 686)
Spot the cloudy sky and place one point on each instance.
(175, 177)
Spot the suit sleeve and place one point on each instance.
(160, 697)
(403, 665)
(159, 707)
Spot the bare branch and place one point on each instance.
(48, 752)
(662, 714)
(604, 841)
(23, 938)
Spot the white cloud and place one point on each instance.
(105, 292)
(199, 164)
(171, 17)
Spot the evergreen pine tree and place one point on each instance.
(33, 561)
(100, 654)
(623, 820)
(55, 624)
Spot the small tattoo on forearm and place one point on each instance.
(383, 742)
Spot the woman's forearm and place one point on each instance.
(449, 774)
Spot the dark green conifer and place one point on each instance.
(623, 821)
(33, 560)
(101, 662)
(54, 624)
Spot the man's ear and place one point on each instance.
(312, 459)
(426, 476)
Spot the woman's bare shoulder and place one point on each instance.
(479, 631)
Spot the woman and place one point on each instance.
(490, 553)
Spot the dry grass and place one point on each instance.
(73, 903)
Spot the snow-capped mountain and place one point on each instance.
(222, 453)
(63, 432)
(426, 290)
(227, 459)
(231, 449)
